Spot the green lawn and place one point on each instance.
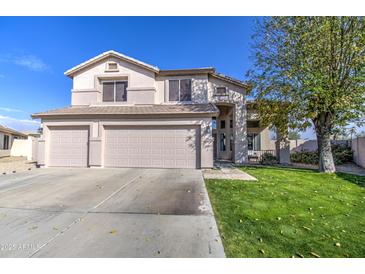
(290, 212)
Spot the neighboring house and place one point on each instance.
(32, 134)
(7, 137)
(126, 113)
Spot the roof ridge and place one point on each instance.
(133, 110)
(104, 54)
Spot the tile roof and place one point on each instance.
(11, 131)
(168, 72)
(231, 80)
(132, 110)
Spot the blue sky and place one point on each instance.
(36, 51)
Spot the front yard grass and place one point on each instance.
(290, 213)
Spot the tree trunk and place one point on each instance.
(322, 126)
(326, 163)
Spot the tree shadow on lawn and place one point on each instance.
(355, 179)
(282, 168)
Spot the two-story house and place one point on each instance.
(126, 113)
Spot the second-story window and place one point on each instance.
(180, 90)
(115, 91)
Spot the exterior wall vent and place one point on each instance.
(111, 66)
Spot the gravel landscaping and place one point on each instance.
(14, 164)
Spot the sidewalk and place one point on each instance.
(226, 171)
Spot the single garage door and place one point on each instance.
(68, 146)
(155, 147)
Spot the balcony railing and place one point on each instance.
(256, 155)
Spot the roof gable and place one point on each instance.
(111, 53)
(105, 55)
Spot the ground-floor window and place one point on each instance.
(6, 142)
(253, 141)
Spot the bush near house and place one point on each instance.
(305, 157)
(268, 159)
(341, 155)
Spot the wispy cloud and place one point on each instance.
(29, 61)
(19, 124)
(2, 76)
(10, 109)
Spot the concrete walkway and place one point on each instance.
(351, 168)
(227, 171)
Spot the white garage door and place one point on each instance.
(68, 146)
(156, 147)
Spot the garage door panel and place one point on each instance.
(156, 151)
(68, 146)
(169, 162)
(164, 147)
(181, 162)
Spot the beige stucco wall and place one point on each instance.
(236, 96)
(87, 88)
(96, 127)
(41, 152)
(22, 147)
(358, 148)
(199, 85)
(265, 139)
(84, 97)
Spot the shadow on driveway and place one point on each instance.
(107, 213)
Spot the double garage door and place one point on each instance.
(144, 146)
(159, 147)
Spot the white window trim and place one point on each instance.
(168, 91)
(115, 89)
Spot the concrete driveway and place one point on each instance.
(107, 213)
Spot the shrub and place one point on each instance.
(305, 157)
(268, 159)
(341, 155)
